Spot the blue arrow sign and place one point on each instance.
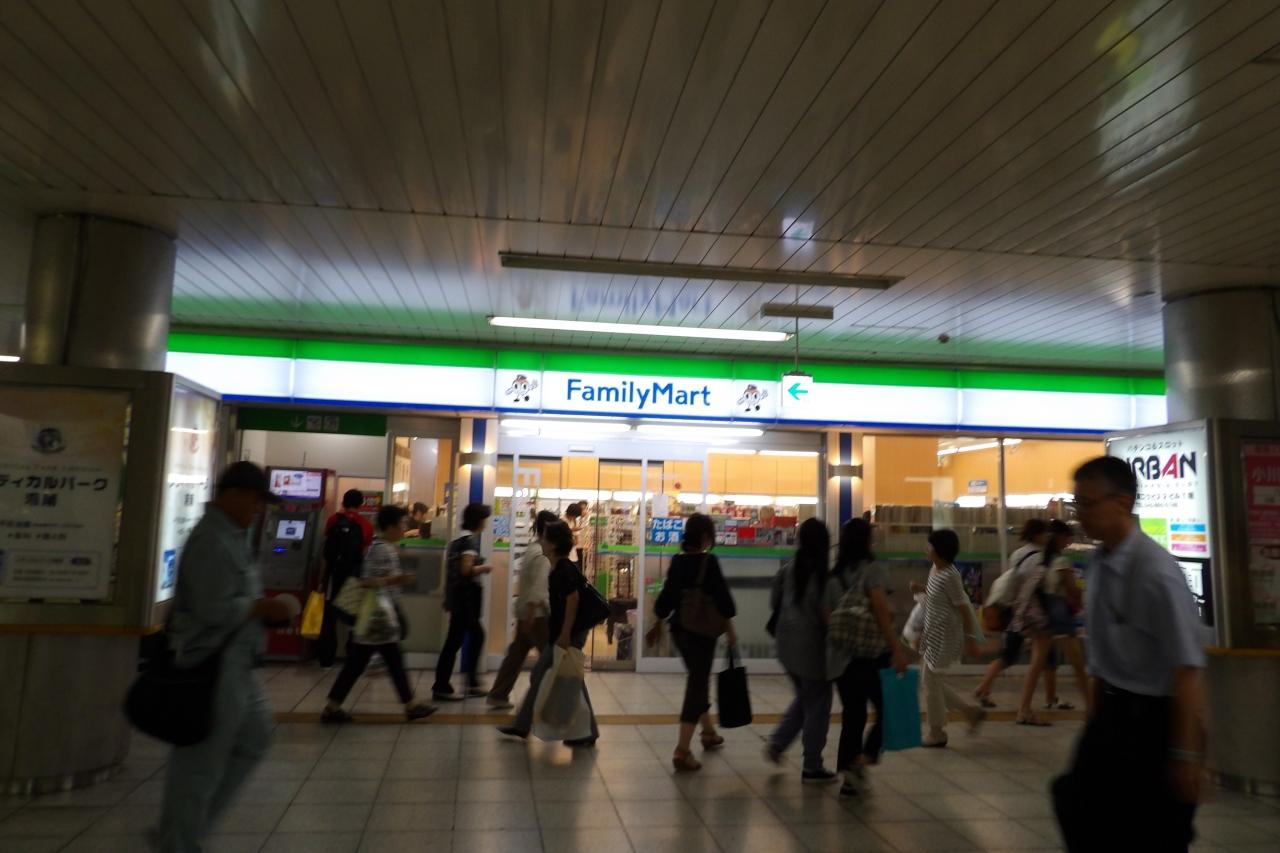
(796, 391)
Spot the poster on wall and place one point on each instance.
(1262, 502)
(1173, 487)
(61, 460)
(189, 475)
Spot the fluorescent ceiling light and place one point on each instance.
(808, 453)
(626, 497)
(697, 498)
(972, 501)
(400, 487)
(983, 445)
(750, 500)
(693, 431)
(733, 451)
(607, 266)
(638, 329)
(10, 358)
(572, 428)
(503, 492)
(793, 500)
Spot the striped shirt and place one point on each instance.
(943, 627)
(382, 561)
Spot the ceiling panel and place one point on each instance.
(1031, 170)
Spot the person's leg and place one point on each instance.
(792, 721)
(874, 691)
(327, 643)
(357, 659)
(853, 711)
(252, 741)
(509, 671)
(935, 704)
(1039, 658)
(392, 654)
(524, 716)
(994, 669)
(698, 658)
(817, 719)
(449, 652)
(474, 650)
(1070, 648)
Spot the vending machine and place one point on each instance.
(292, 545)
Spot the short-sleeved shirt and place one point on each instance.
(534, 571)
(943, 627)
(564, 581)
(462, 591)
(1142, 619)
(382, 561)
(873, 575)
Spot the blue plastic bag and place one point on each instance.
(901, 709)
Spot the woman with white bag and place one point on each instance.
(379, 625)
(564, 585)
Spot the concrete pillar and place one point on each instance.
(1222, 360)
(99, 292)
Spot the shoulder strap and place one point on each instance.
(702, 570)
(1026, 557)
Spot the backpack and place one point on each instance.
(344, 550)
(853, 624)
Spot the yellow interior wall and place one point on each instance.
(899, 457)
(1046, 466)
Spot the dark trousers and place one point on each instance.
(699, 654)
(858, 685)
(358, 656)
(462, 621)
(327, 644)
(1117, 796)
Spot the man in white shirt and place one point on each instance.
(531, 608)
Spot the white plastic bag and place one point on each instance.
(560, 710)
(377, 623)
(914, 628)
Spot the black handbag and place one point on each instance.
(175, 704)
(732, 694)
(592, 609)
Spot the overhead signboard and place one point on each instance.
(1172, 468)
(796, 389)
(305, 420)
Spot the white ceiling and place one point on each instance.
(354, 166)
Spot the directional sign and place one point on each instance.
(299, 420)
(796, 388)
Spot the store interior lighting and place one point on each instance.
(10, 358)
(567, 429)
(750, 500)
(787, 500)
(810, 454)
(698, 431)
(952, 449)
(734, 451)
(639, 329)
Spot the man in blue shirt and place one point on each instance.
(1138, 767)
(218, 604)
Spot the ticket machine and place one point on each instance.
(292, 545)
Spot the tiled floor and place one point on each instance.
(440, 786)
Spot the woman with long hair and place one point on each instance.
(694, 568)
(797, 599)
(858, 578)
(531, 608)
(1043, 614)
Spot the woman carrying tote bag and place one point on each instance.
(696, 599)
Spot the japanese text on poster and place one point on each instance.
(188, 479)
(1173, 487)
(61, 458)
(1262, 501)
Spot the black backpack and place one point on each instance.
(344, 550)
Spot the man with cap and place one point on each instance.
(218, 604)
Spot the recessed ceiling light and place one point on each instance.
(638, 329)
(10, 358)
(691, 431)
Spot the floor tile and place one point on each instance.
(758, 839)
(579, 815)
(33, 844)
(436, 841)
(125, 819)
(735, 812)
(1229, 831)
(495, 791)
(63, 821)
(585, 840)
(656, 813)
(573, 790)
(417, 791)
(1001, 834)
(114, 844)
(337, 791)
(840, 836)
(957, 807)
(236, 843)
(1026, 805)
(312, 842)
(325, 817)
(498, 841)
(411, 817)
(251, 817)
(344, 769)
(921, 836)
(672, 839)
(477, 816)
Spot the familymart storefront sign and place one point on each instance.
(328, 373)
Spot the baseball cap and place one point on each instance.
(246, 475)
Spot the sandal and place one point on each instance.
(984, 699)
(1059, 705)
(1033, 721)
(684, 762)
(712, 741)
